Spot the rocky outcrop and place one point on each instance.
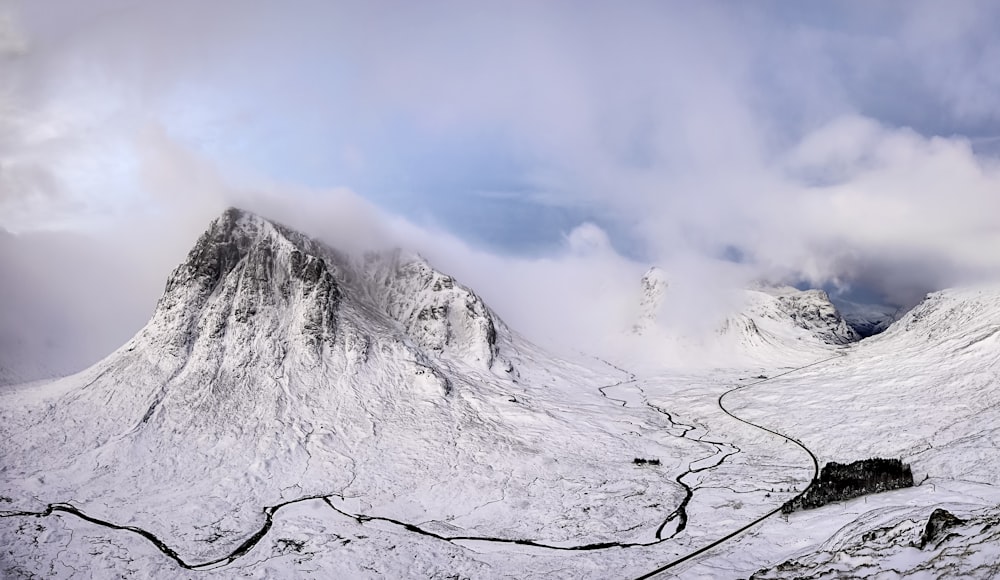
(941, 521)
(881, 544)
(243, 267)
(813, 311)
(438, 313)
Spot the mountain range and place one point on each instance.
(291, 410)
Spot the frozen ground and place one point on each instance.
(307, 415)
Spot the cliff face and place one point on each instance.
(813, 311)
(240, 278)
(438, 313)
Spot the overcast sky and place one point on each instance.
(851, 145)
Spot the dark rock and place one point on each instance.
(940, 521)
(813, 311)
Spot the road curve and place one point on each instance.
(812, 456)
(269, 511)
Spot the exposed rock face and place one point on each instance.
(941, 521)
(840, 482)
(441, 315)
(813, 311)
(882, 546)
(240, 274)
(244, 266)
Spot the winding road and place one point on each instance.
(679, 514)
(796, 442)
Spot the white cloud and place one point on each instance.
(12, 38)
(697, 128)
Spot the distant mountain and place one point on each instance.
(924, 390)
(812, 310)
(868, 319)
(763, 322)
(653, 288)
(955, 318)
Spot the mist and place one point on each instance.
(848, 146)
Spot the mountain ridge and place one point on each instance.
(276, 370)
(292, 370)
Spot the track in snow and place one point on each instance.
(679, 513)
(796, 442)
(723, 450)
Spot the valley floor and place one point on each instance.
(859, 402)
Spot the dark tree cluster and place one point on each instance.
(840, 482)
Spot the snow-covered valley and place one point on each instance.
(291, 411)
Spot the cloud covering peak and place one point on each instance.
(851, 145)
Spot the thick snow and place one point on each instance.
(413, 435)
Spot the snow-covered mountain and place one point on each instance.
(292, 411)
(275, 368)
(441, 315)
(761, 323)
(813, 311)
(267, 360)
(925, 391)
(653, 288)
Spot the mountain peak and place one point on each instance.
(239, 223)
(239, 277)
(812, 310)
(236, 235)
(217, 249)
(246, 271)
(653, 289)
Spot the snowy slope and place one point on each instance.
(21, 362)
(778, 318)
(275, 368)
(763, 324)
(894, 542)
(653, 287)
(812, 310)
(439, 313)
(926, 390)
(313, 414)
